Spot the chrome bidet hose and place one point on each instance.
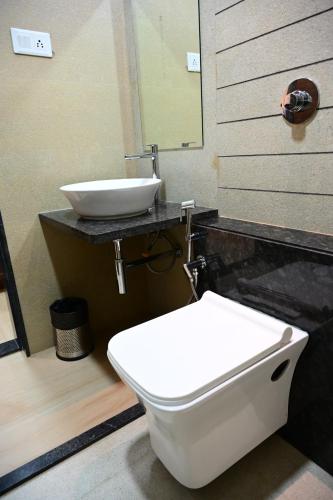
(192, 272)
(193, 279)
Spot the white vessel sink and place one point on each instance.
(112, 199)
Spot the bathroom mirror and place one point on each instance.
(167, 63)
(12, 332)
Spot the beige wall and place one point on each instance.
(170, 95)
(63, 120)
(272, 172)
(269, 171)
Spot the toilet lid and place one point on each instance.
(177, 357)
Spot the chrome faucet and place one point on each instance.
(153, 155)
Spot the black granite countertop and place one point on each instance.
(164, 216)
(316, 242)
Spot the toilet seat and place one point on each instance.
(180, 356)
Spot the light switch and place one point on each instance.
(31, 43)
(193, 61)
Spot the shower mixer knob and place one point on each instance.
(299, 101)
(296, 101)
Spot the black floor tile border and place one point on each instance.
(9, 347)
(66, 450)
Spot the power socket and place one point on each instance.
(31, 43)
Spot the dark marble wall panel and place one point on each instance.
(294, 285)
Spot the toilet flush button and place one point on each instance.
(31, 43)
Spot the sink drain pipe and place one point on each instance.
(121, 265)
(120, 268)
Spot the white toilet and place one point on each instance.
(214, 378)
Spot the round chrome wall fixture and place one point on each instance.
(299, 101)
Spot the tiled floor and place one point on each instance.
(122, 466)
(46, 402)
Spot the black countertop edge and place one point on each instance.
(164, 216)
(66, 450)
(306, 240)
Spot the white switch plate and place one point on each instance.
(193, 61)
(31, 43)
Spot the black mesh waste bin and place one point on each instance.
(69, 317)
